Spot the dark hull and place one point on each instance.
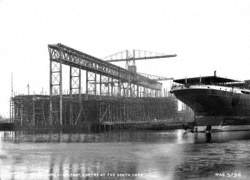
(215, 107)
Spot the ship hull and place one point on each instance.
(216, 107)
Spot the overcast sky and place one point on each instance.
(207, 35)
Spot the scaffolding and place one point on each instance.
(98, 92)
(33, 110)
(111, 79)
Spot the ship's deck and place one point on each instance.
(205, 80)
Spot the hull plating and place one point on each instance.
(216, 107)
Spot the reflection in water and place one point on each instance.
(89, 170)
(208, 137)
(124, 155)
(51, 168)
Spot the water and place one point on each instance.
(140, 155)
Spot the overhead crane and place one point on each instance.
(136, 55)
(102, 77)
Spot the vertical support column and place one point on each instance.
(109, 84)
(12, 110)
(55, 85)
(100, 85)
(33, 112)
(50, 91)
(124, 89)
(80, 83)
(130, 90)
(21, 114)
(61, 95)
(91, 82)
(71, 97)
(87, 82)
(137, 90)
(95, 83)
(80, 92)
(119, 88)
(76, 88)
(112, 87)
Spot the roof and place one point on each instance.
(204, 80)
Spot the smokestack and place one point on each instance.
(215, 73)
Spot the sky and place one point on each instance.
(206, 35)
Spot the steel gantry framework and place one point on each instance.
(101, 78)
(135, 55)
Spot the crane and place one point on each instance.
(130, 58)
